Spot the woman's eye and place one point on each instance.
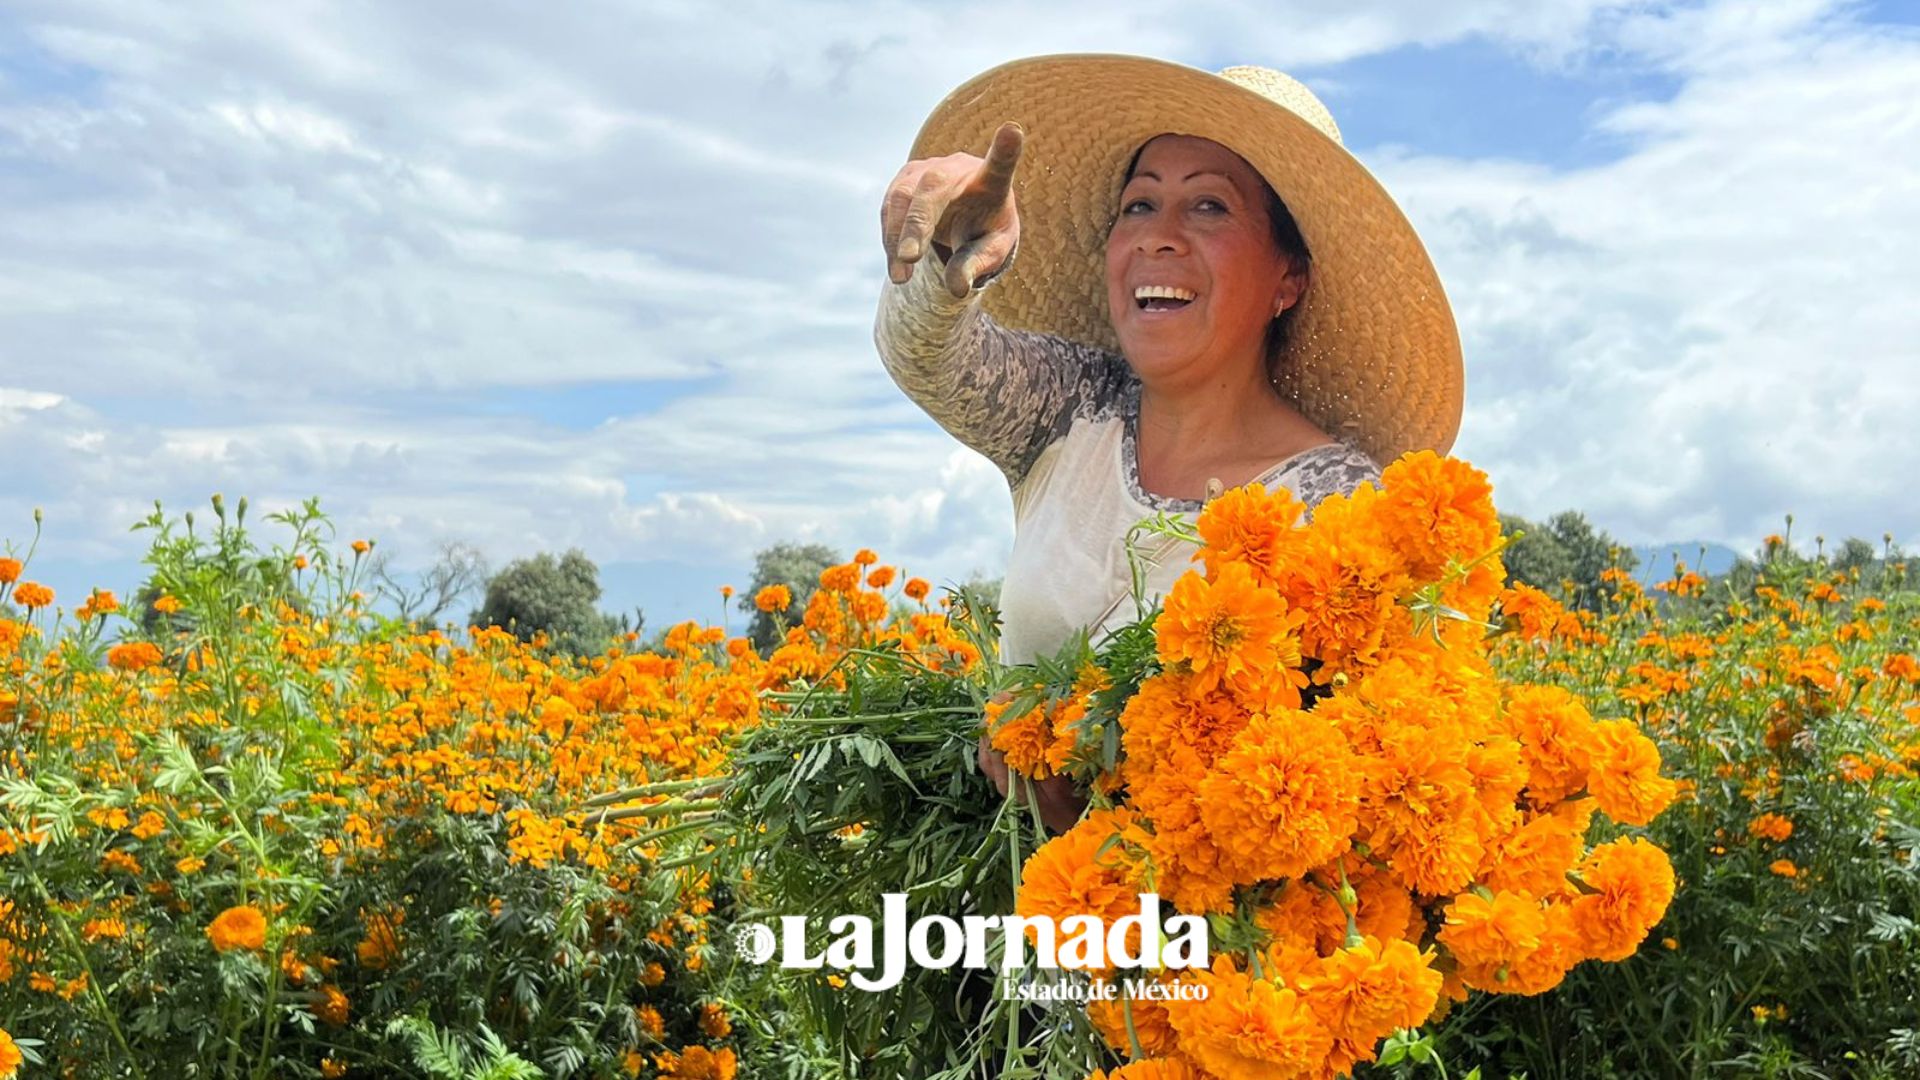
(1129, 207)
(1214, 204)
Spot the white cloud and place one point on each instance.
(1715, 329)
(262, 240)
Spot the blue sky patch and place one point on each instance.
(1477, 100)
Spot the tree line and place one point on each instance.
(558, 596)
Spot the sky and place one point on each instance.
(603, 275)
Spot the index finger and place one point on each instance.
(1002, 156)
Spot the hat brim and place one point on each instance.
(1372, 356)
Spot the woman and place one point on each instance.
(1212, 293)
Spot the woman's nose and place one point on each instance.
(1160, 237)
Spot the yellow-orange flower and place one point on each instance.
(1151, 1069)
(1226, 629)
(698, 1063)
(1556, 735)
(330, 1005)
(1435, 510)
(1770, 826)
(382, 943)
(1071, 875)
(31, 594)
(133, 656)
(1362, 994)
(1250, 526)
(1633, 883)
(1284, 799)
(242, 927)
(1249, 1029)
(652, 1024)
(10, 1056)
(773, 598)
(1624, 773)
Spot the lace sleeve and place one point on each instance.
(1005, 393)
(1323, 471)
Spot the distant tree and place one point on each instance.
(1854, 554)
(1536, 557)
(1565, 548)
(556, 596)
(798, 567)
(459, 570)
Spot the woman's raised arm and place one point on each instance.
(948, 226)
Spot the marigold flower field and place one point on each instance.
(1437, 822)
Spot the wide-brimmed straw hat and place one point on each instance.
(1372, 355)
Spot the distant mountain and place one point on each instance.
(1656, 560)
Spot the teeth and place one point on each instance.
(1162, 292)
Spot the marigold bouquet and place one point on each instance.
(1309, 745)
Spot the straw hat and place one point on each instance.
(1372, 355)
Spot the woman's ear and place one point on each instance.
(1292, 287)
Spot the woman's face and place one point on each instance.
(1193, 219)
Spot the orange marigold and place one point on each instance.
(651, 1023)
(1485, 933)
(382, 942)
(330, 1006)
(1436, 510)
(1632, 883)
(31, 594)
(1249, 1029)
(10, 1055)
(697, 1063)
(1071, 874)
(1150, 1024)
(1284, 799)
(1535, 857)
(133, 656)
(1623, 773)
(1226, 629)
(242, 927)
(1362, 994)
(1165, 719)
(10, 571)
(1556, 736)
(1770, 826)
(773, 598)
(840, 579)
(1250, 526)
(1151, 1069)
(1348, 590)
(1030, 739)
(916, 589)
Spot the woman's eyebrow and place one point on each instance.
(1189, 176)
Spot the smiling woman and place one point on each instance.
(1213, 293)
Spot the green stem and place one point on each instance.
(665, 809)
(664, 787)
(94, 993)
(1126, 1013)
